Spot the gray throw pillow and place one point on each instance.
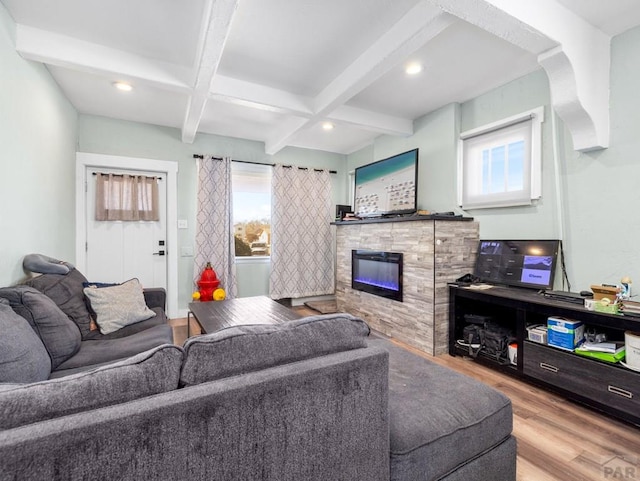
(118, 306)
(151, 372)
(23, 357)
(58, 333)
(241, 349)
(66, 291)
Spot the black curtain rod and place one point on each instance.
(200, 156)
(120, 175)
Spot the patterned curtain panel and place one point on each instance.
(302, 241)
(214, 232)
(126, 197)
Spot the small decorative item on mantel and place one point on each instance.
(208, 283)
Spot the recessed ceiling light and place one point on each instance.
(413, 68)
(125, 87)
(327, 126)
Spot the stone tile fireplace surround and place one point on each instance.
(435, 252)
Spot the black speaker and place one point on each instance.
(341, 210)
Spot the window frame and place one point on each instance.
(490, 132)
(257, 170)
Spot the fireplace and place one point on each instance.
(377, 272)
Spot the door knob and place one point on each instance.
(159, 253)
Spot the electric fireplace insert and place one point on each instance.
(377, 272)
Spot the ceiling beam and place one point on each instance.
(575, 55)
(374, 121)
(216, 29)
(62, 51)
(417, 27)
(260, 97)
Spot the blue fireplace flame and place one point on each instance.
(384, 283)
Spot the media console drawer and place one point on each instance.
(611, 386)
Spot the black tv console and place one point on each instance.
(610, 388)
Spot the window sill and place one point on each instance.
(253, 260)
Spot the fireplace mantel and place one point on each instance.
(404, 218)
(435, 251)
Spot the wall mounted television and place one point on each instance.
(388, 186)
(518, 263)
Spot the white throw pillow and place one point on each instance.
(118, 306)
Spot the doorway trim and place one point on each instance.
(84, 161)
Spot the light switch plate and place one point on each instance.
(183, 224)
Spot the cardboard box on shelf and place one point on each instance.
(537, 333)
(564, 333)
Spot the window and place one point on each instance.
(500, 164)
(126, 197)
(251, 185)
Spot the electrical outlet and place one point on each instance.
(186, 251)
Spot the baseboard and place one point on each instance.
(301, 300)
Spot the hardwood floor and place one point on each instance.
(179, 327)
(558, 440)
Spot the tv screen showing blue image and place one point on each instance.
(388, 186)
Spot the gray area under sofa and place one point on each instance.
(332, 404)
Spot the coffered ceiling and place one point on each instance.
(277, 70)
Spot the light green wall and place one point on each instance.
(435, 136)
(539, 221)
(600, 190)
(117, 137)
(38, 129)
(603, 188)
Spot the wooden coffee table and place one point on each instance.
(215, 315)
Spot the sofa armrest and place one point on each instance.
(155, 297)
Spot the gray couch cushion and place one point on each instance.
(23, 357)
(98, 352)
(439, 419)
(58, 333)
(151, 372)
(241, 349)
(66, 292)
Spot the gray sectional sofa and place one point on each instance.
(57, 309)
(311, 399)
(315, 411)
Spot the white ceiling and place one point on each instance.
(274, 70)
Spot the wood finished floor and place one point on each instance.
(558, 440)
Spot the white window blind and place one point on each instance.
(500, 164)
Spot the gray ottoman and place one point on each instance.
(444, 425)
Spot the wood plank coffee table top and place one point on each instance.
(215, 315)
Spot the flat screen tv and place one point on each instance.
(388, 186)
(519, 263)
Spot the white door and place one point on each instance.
(117, 251)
